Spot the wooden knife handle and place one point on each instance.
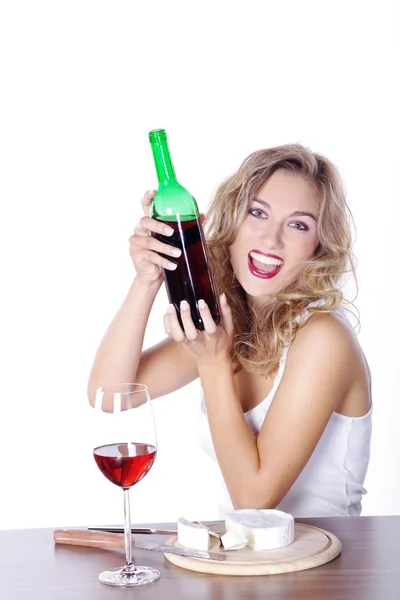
(94, 539)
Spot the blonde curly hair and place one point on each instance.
(259, 337)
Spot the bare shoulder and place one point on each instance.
(326, 336)
(328, 330)
(327, 348)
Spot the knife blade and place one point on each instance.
(144, 530)
(104, 539)
(179, 550)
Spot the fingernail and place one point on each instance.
(223, 299)
(184, 305)
(176, 252)
(170, 308)
(202, 304)
(168, 230)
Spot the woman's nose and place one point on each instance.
(272, 236)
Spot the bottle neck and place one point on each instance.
(162, 159)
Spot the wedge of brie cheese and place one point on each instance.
(193, 535)
(231, 541)
(263, 529)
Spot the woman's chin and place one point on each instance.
(257, 298)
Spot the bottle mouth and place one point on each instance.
(157, 135)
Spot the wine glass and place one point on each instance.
(125, 429)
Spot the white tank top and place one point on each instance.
(331, 483)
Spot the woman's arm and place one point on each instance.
(165, 367)
(259, 471)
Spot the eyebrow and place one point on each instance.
(296, 213)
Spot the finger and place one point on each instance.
(187, 321)
(226, 315)
(147, 224)
(167, 327)
(147, 200)
(174, 328)
(209, 324)
(150, 243)
(152, 257)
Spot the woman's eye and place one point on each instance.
(256, 212)
(299, 225)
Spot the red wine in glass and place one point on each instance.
(125, 464)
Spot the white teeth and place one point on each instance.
(266, 260)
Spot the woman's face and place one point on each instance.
(277, 235)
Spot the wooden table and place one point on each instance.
(32, 568)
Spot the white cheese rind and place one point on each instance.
(264, 529)
(231, 541)
(193, 535)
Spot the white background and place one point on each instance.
(82, 83)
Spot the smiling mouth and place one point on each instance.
(264, 266)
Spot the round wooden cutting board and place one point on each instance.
(311, 547)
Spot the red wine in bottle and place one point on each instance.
(191, 280)
(174, 205)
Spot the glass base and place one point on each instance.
(139, 576)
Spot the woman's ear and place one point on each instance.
(202, 218)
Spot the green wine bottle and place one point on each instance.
(172, 204)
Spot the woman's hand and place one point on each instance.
(145, 249)
(208, 347)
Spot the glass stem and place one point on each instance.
(129, 566)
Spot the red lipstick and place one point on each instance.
(264, 274)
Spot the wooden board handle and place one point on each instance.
(94, 539)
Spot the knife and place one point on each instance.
(103, 539)
(144, 530)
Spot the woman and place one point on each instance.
(286, 390)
